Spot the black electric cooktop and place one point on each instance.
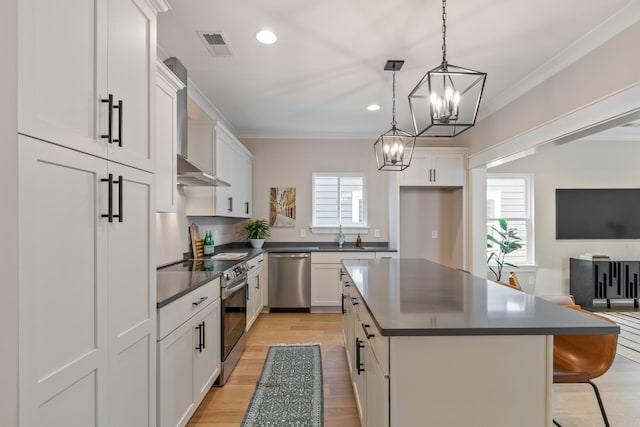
(176, 280)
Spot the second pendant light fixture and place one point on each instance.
(394, 148)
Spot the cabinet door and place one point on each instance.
(418, 172)
(61, 62)
(176, 389)
(206, 367)
(377, 394)
(252, 299)
(63, 287)
(348, 322)
(325, 285)
(225, 205)
(166, 144)
(248, 176)
(131, 79)
(358, 374)
(132, 295)
(448, 169)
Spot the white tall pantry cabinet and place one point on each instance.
(86, 157)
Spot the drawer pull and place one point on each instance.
(354, 301)
(366, 332)
(359, 364)
(199, 302)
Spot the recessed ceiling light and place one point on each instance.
(266, 37)
(373, 107)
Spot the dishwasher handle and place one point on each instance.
(291, 256)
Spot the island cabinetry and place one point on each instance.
(436, 168)
(325, 276)
(256, 289)
(368, 356)
(610, 279)
(188, 353)
(216, 150)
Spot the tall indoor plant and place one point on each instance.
(257, 230)
(506, 242)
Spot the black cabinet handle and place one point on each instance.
(119, 182)
(354, 301)
(109, 215)
(342, 301)
(109, 135)
(434, 175)
(347, 284)
(204, 337)
(246, 208)
(359, 364)
(199, 302)
(366, 332)
(119, 107)
(230, 200)
(258, 282)
(199, 347)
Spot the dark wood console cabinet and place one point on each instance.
(603, 279)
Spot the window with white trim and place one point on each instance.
(339, 199)
(510, 196)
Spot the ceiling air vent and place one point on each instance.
(215, 43)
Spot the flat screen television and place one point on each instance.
(602, 213)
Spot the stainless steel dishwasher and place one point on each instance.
(290, 282)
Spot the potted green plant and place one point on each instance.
(506, 242)
(257, 230)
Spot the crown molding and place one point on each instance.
(614, 25)
(167, 75)
(159, 6)
(205, 104)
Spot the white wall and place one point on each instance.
(579, 164)
(290, 163)
(9, 215)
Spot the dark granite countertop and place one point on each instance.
(416, 297)
(176, 280)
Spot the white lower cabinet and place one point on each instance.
(368, 359)
(188, 358)
(256, 289)
(86, 313)
(325, 276)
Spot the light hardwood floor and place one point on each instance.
(574, 405)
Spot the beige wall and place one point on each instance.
(9, 216)
(609, 68)
(290, 163)
(579, 164)
(424, 210)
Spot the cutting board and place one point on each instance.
(197, 244)
(230, 255)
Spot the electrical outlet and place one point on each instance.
(376, 233)
(303, 232)
(434, 234)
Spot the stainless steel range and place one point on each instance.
(233, 308)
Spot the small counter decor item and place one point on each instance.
(257, 230)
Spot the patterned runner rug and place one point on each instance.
(289, 391)
(629, 338)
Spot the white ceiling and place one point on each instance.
(327, 65)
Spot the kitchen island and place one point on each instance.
(430, 345)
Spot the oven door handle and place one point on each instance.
(230, 291)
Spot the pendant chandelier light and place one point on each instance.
(394, 148)
(448, 96)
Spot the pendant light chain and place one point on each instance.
(444, 34)
(393, 100)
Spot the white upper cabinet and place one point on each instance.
(167, 85)
(436, 168)
(71, 64)
(212, 147)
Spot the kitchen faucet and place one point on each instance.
(340, 236)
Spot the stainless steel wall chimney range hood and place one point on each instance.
(188, 173)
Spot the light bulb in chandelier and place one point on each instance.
(445, 108)
(394, 153)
